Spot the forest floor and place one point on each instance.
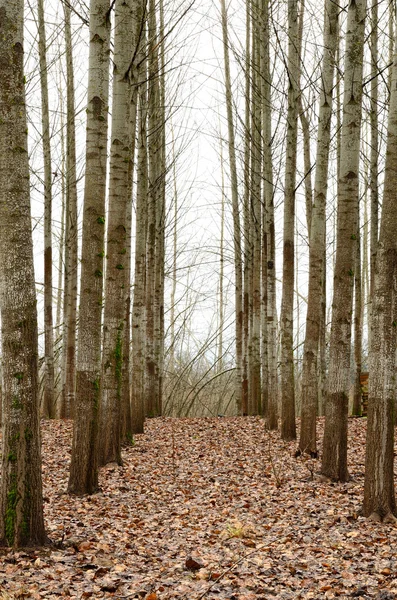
(205, 508)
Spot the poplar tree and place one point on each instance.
(379, 495)
(334, 462)
(84, 464)
(310, 382)
(21, 503)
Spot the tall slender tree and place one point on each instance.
(269, 254)
(139, 288)
(334, 462)
(117, 271)
(288, 426)
(84, 464)
(49, 387)
(379, 496)
(235, 208)
(21, 503)
(71, 245)
(310, 391)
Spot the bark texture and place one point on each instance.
(84, 465)
(310, 380)
(21, 503)
(288, 426)
(70, 281)
(334, 462)
(49, 387)
(236, 212)
(379, 496)
(117, 264)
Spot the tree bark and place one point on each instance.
(288, 425)
(236, 211)
(117, 270)
(49, 387)
(70, 279)
(310, 384)
(139, 306)
(270, 404)
(334, 463)
(358, 325)
(379, 496)
(21, 502)
(84, 464)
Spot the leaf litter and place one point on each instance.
(214, 508)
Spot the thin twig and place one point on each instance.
(233, 566)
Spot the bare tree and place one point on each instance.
(21, 503)
(379, 496)
(49, 387)
(310, 392)
(334, 463)
(84, 464)
(288, 426)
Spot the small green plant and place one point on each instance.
(130, 439)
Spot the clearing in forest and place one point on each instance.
(205, 508)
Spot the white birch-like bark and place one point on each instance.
(49, 387)
(21, 502)
(117, 280)
(246, 264)
(269, 254)
(70, 279)
(334, 463)
(139, 290)
(374, 154)
(379, 495)
(288, 425)
(310, 384)
(254, 358)
(236, 210)
(84, 464)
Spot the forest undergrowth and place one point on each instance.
(213, 508)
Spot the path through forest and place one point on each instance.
(205, 508)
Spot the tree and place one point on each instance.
(117, 275)
(21, 503)
(70, 279)
(138, 306)
(84, 464)
(269, 253)
(307, 440)
(288, 426)
(49, 387)
(235, 208)
(379, 497)
(334, 463)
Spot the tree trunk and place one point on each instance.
(269, 254)
(315, 308)
(379, 497)
(21, 503)
(288, 426)
(246, 207)
(374, 154)
(236, 211)
(139, 307)
(254, 358)
(84, 465)
(70, 280)
(117, 270)
(358, 325)
(49, 388)
(334, 463)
